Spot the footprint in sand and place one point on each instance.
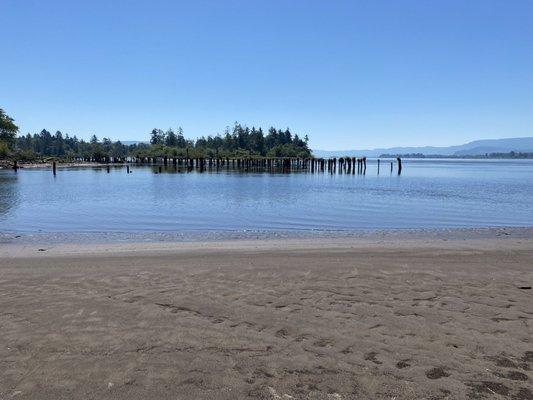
(516, 376)
(487, 387)
(437, 373)
(282, 333)
(372, 357)
(402, 364)
(323, 343)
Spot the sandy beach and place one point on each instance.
(270, 319)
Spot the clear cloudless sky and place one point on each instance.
(350, 74)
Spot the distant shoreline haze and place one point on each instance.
(508, 155)
(477, 148)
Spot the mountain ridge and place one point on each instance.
(476, 147)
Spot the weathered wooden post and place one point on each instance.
(15, 166)
(107, 168)
(160, 169)
(399, 165)
(391, 167)
(127, 169)
(378, 166)
(54, 167)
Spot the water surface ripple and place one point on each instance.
(429, 194)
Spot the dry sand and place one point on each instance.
(292, 319)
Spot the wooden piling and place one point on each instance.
(54, 167)
(399, 165)
(15, 166)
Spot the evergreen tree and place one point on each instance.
(171, 139)
(241, 141)
(8, 131)
(154, 136)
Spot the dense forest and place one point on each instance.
(240, 141)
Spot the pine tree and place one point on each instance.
(8, 129)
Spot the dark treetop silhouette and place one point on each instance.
(241, 141)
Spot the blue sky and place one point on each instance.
(350, 74)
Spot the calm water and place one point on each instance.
(429, 194)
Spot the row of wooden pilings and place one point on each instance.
(347, 165)
(332, 165)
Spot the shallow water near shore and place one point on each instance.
(429, 194)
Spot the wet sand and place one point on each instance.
(279, 319)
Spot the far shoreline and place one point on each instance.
(60, 164)
(63, 164)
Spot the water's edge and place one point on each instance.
(218, 236)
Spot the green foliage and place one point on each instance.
(26, 155)
(8, 133)
(287, 150)
(4, 150)
(241, 141)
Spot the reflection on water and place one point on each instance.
(428, 194)
(8, 192)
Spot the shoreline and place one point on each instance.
(60, 165)
(11, 240)
(7, 164)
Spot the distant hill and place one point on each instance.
(477, 147)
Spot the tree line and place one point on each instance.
(239, 141)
